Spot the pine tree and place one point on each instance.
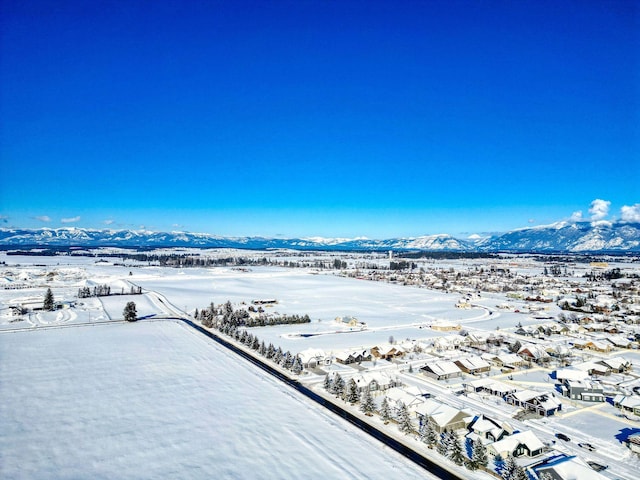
(385, 410)
(443, 445)
(130, 314)
(297, 367)
(456, 455)
(519, 474)
(338, 385)
(478, 455)
(404, 419)
(48, 300)
(327, 383)
(367, 405)
(430, 436)
(271, 351)
(351, 392)
(509, 468)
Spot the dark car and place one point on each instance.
(562, 436)
(587, 446)
(597, 467)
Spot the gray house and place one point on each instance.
(583, 390)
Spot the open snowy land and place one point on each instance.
(157, 400)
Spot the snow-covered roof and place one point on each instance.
(572, 468)
(444, 367)
(439, 412)
(571, 374)
(509, 443)
(473, 362)
(311, 354)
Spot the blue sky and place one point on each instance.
(303, 118)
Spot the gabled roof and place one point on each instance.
(311, 354)
(440, 413)
(511, 442)
(443, 367)
(473, 362)
(397, 395)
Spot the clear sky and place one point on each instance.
(331, 118)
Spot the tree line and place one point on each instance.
(473, 455)
(232, 323)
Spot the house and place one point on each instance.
(386, 351)
(583, 390)
(490, 386)
(488, 430)
(347, 357)
(517, 445)
(352, 323)
(443, 326)
(444, 417)
(593, 368)
(441, 370)
(374, 381)
(594, 345)
(312, 357)
(565, 467)
(508, 360)
(533, 353)
(452, 342)
(629, 404)
(544, 404)
(473, 365)
(572, 374)
(396, 396)
(633, 442)
(616, 364)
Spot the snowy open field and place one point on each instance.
(156, 400)
(42, 395)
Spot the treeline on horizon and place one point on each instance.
(146, 255)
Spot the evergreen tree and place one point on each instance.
(351, 392)
(509, 468)
(455, 454)
(478, 455)
(277, 356)
(385, 410)
(367, 405)
(271, 351)
(263, 349)
(327, 383)
(287, 360)
(519, 474)
(498, 463)
(430, 436)
(130, 314)
(48, 300)
(404, 419)
(443, 445)
(297, 367)
(338, 385)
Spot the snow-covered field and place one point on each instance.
(140, 400)
(156, 400)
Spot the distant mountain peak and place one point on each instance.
(601, 236)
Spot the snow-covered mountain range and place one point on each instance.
(559, 237)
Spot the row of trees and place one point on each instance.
(242, 318)
(105, 291)
(447, 444)
(225, 321)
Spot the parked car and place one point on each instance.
(596, 466)
(587, 446)
(562, 436)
